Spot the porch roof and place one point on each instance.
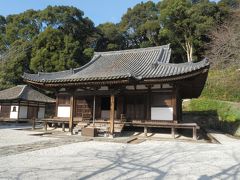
(24, 92)
(138, 64)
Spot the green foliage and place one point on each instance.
(187, 24)
(56, 36)
(110, 38)
(53, 51)
(226, 111)
(140, 24)
(15, 64)
(2, 34)
(69, 20)
(88, 54)
(229, 3)
(60, 37)
(23, 26)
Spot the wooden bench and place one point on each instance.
(171, 125)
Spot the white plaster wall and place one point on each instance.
(130, 87)
(63, 111)
(162, 113)
(23, 112)
(14, 115)
(41, 112)
(141, 86)
(105, 114)
(166, 86)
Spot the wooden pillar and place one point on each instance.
(173, 131)
(33, 123)
(194, 133)
(94, 109)
(112, 99)
(174, 104)
(119, 106)
(45, 125)
(180, 108)
(149, 96)
(145, 131)
(71, 112)
(63, 127)
(18, 116)
(56, 108)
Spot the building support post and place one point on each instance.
(71, 113)
(145, 131)
(174, 101)
(173, 132)
(33, 123)
(63, 127)
(18, 116)
(149, 97)
(112, 99)
(94, 109)
(194, 133)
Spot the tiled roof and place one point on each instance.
(24, 92)
(143, 63)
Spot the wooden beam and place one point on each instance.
(112, 99)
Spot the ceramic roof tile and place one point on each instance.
(146, 63)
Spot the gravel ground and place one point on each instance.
(106, 160)
(12, 135)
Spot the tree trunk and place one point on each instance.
(189, 50)
(188, 47)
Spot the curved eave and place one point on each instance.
(124, 79)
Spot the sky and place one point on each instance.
(99, 11)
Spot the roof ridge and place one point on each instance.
(23, 89)
(94, 58)
(136, 50)
(203, 61)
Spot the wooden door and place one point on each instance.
(135, 107)
(32, 112)
(83, 107)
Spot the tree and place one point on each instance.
(23, 26)
(52, 39)
(3, 44)
(223, 50)
(187, 24)
(68, 20)
(54, 51)
(110, 38)
(140, 25)
(14, 63)
(233, 4)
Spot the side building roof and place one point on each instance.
(139, 64)
(24, 92)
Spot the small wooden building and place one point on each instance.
(139, 87)
(23, 103)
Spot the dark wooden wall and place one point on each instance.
(5, 111)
